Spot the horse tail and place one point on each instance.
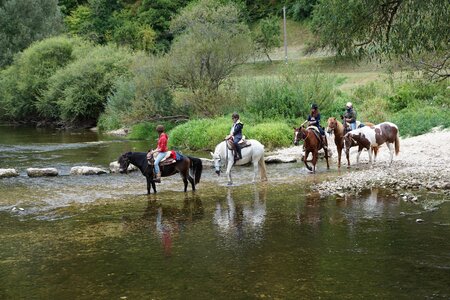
(262, 168)
(197, 168)
(397, 144)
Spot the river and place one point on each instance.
(102, 237)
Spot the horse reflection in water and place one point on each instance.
(235, 219)
(310, 212)
(167, 222)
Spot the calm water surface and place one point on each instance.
(102, 237)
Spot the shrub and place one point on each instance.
(205, 134)
(289, 97)
(24, 82)
(419, 120)
(80, 90)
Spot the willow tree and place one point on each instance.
(415, 31)
(211, 40)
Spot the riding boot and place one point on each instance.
(324, 142)
(158, 178)
(238, 150)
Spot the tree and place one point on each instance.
(25, 21)
(408, 29)
(267, 35)
(211, 41)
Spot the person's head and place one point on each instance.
(349, 105)
(160, 129)
(314, 107)
(235, 116)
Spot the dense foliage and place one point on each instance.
(24, 21)
(408, 29)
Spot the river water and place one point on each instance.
(102, 237)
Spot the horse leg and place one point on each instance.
(339, 151)
(305, 160)
(262, 168)
(154, 187)
(185, 181)
(191, 180)
(360, 149)
(314, 160)
(229, 166)
(370, 157)
(149, 182)
(326, 158)
(255, 170)
(347, 154)
(391, 152)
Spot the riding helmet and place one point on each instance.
(349, 105)
(314, 106)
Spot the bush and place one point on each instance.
(419, 120)
(24, 82)
(289, 97)
(80, 90)
(205, 134)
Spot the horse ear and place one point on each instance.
(212, 154)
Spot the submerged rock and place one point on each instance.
(84, 170)
(4, 173)
(40, 172)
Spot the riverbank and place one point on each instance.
(423, 163)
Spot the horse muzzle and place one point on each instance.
(123, 171)
(218, 172)
(296, 143)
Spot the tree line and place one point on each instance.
(120, 61)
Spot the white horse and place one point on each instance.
(254, 153)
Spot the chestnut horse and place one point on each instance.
(336, 127)
(312, 144)
(370, 137)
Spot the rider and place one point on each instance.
(350, 116)
(314, 120)
(161, 148)
(236, 134)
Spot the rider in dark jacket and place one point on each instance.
(350, 116)
(236, 134)
(314, 120)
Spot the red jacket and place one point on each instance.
(162, 142)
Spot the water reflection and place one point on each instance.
(236, 220)
(167, 222)
(373, 204)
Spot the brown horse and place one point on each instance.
(336, 127)
(184, 166)
(312, 144)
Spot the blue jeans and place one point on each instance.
(353, 126)
(158, 159)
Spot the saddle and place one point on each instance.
(170, 158)
(243, 143)
(359, 124)
(318, 135)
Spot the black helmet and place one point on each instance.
(314, 106)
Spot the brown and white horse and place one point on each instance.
(312, 145)
(336, 127)
(369, 137)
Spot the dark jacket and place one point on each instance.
(237, 130)
(350, 114)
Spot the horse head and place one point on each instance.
(124, 162)
(299, 134)
(332, 124)
(217, 162)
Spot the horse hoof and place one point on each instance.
(229, 183)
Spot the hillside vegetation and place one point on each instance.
(200, 61)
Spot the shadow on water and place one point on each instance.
(102, 237)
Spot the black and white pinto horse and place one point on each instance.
(186, 166)
(371, 137)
